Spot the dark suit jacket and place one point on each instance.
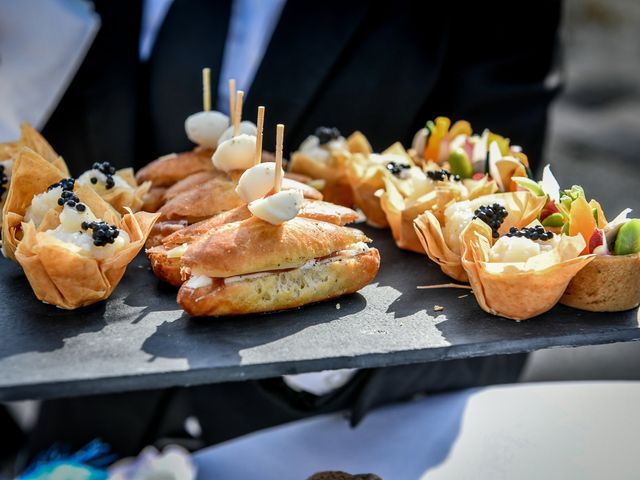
(383, 69)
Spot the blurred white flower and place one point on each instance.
(174, 463)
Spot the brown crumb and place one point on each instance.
(438, 308)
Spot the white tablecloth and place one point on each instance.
(533, 431)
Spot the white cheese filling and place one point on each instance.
(100, 185)
(322, 153)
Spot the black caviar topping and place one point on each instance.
(532, 233)
(326, 134)
(442, 175)
(67, 185)
(102, 232)
(397, 168)
(3, 181)
(108, 171)
(492, 215)
(67, 197)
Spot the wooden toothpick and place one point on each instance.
(232, 99)
(206, 89)
(260, 125)
(279, 140)
(444, 285)
(238, 113)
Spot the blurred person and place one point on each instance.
(384, 69)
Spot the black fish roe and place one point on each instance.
(67, 184)
(442, 175)
(397, 168)
(326, 134)
(67, 197)
(492, 215)
(102, 232)
(532, 233)
(108, 171)
(3, 181)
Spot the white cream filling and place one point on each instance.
(178, 252)
(70, 235)
(41, 204)
(520, 249)
(459, 214)
(100, 186)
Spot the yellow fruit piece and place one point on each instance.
(582, 221)
(602, 221)
(440, 129)
(461, 127)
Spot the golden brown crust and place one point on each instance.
(192, 181)
(205, 201)
(609, 283)
(122, 198)
(280, 291)
(168, 269)
(164, 267)
(162, 230)
(255, 246)
(168, 169)
(153, 199)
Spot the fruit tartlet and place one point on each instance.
(611, 282)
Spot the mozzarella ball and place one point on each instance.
(237, 153)
(246, 127)
(205, 128)
(257, 181)
(277, 208)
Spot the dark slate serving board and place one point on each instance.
(140, 338)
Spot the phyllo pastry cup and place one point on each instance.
(610, 283)
(31, 138)
(70, 279)
(401, 211)
(440, 237)
(336, 185)
(519, 290)
(124, 199)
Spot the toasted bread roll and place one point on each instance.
(188, 183)
(169, 169)
(167, 267)
(256, 246)
(281, 290)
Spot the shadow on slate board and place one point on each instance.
(46, 327)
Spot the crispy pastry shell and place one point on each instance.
(336, 189)
(610, 283)
(70, 280)
(122, 198)
(515, 293)
(282, 290)
(523, 208)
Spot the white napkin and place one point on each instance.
(42, 44)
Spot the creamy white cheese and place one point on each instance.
(100, 185)
(322, 153)
(237, 153)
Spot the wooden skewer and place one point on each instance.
(260, 125)
(444, 285)
(232, 99)
(206, 89)
(279, 140)
(238, 113)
